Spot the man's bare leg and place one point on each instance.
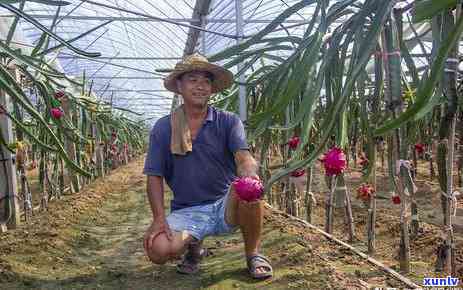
(251, 223)
(249, 216)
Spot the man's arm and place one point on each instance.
(155, 190)
(246, 165)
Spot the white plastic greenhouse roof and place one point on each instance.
(138, 37)
(141, 36)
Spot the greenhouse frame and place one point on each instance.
(352, 109)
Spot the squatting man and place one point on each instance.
(200, 151)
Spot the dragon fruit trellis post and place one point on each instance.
(334, 162)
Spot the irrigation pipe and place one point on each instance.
(371, 260)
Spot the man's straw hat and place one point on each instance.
(223, 78)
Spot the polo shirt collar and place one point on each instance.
(210, 114)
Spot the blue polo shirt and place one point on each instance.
(204, 175)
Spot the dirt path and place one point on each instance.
(93, 240)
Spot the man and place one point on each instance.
(199, 150)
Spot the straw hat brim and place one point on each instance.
(223, 78)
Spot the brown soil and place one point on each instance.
(423, 246)
(93, 240)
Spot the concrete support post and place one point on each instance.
(70, 147)
(99, 150)
(9, 202)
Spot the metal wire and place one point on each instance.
(112, 39)
(162, 20)
(258, 5)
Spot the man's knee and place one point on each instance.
(251, 207)
(159, 253)
(239, 213)
(164, 249)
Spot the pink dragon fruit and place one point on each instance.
(297, 173)
(419, 148)
(365, 191)
(59, 95)
(363, 161)
(293, 142)
(248, 188)
(56, 113)
(334, 161)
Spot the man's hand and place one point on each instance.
(246, 165)
(156, 228)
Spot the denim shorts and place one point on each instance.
(202, 220)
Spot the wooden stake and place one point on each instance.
(309, 195)
(61, 176)
(432, 172)
(448, 223)
(329, 204)
(371, 220)
(460, 151)
(371, 223)
(349, 217)
(404, 218)
(343, 200)
(415, 222)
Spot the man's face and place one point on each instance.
(195, 87)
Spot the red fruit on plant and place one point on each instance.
(248, 188)
(396, 199)
(363, 162)
(59, 94)
(365, 191)
(334, 161)
(56, 113)
(293, 142)
(297, 173)
(419, 148)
